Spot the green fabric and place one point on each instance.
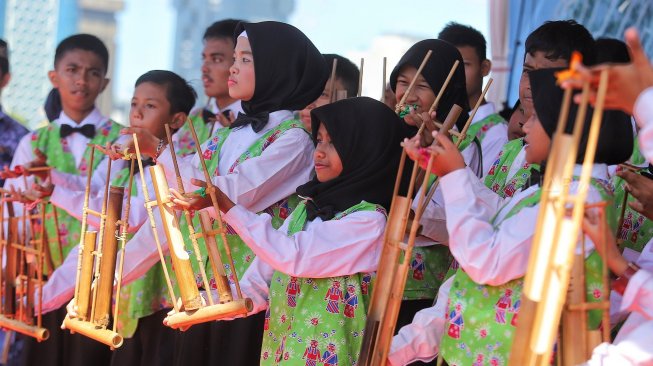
(311, 320)
(497, 177)
(59, 156)
(185, 144)
(484, 336)
(480, 128)
(428, 268)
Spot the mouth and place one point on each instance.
(206, 79)
(319, 166)
(80, 93)
(231, 82)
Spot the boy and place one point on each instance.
(488, 126)
(217, 58)
(346, 81)
(10, 130)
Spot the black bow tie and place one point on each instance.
(258, 121)
(210, 117)
(312, 211)
(86, 130)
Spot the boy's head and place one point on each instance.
(217, 58)
(5, 76)
(611, 50)
(551, 45)
(472, 47)
(161, 97)
(80, 68)
(346, 80)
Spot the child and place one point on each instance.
(160, 97)
(327, 244)
(217, 58)
(490, 242)
(346, 81)
(488, 126)
(257, 161)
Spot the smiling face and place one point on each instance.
(538, 60)
(79, 76)
(422, 95)
(328, 165)
(241, 78)
(217, 58)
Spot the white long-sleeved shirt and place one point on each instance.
(643, 113)
(489, 256)
(323, 249)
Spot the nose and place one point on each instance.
(319, 152)
(205, 67)
(136, 113)
(233, 70)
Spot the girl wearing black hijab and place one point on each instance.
(312, 273)
(491, 238)
(258, 162)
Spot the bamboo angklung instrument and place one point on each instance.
(393, 265)
(96, 262)
(227, 305)
(554, 243)
(23, 256)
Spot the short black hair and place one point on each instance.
(179, 93)
(559, 38)
(346, 71)
(611, 50)
(85, 42)
(461, 35)
(4, 57)
(222, 29)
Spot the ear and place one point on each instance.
(5, 80)
(486, 66)
(178, 120)
(54, 79)
(105, 82)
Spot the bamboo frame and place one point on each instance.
(551, 260)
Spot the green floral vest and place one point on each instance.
(59, 156)
(497, 177)
(315, 320)
(185, 144)
(480, 128)
(481, 319)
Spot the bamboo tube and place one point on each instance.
(208, 313)
(83, 296)
(40, 334)
(385, 78)
(124, 228)
(332, 81)
(190, 296)
(219, 274)
(360, 78)
(400, 105)
(102, 335)
(104, 284)
(10, 268)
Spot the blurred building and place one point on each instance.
(193, 16)
(33, 28)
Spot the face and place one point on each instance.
(241, 78)
(422, 95)
(327, 161)
(537, 141)
(323, 99)
(538, 60)
(150, 109)
(217, 58)
(516, 122)
(475, 70)
(79, 76)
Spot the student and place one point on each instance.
(488, 126)
(80, 67)
(160, 97)
(217, 58)
(550, 45)
(493, 256)
(346, 82)
(311, 269)
(10, 130)
(258, 162)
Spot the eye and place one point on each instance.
(150, 106)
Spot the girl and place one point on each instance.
(491, 237)
(257, 162)
(309, 272)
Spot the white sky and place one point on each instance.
(351, 28)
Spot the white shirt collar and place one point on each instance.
(234, 107)
(94, 118)
(599, 171)
(483, 111)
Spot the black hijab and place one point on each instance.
(435, 72)
(367, 135)
(290, 72)
(615, 143)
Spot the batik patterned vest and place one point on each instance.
(480, 128)
(309, 320)
(497, 177)
(185, 144)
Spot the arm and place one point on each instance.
(639, 294)
(632, 350)
(60, 287)
(255, 284)
(325, 249)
